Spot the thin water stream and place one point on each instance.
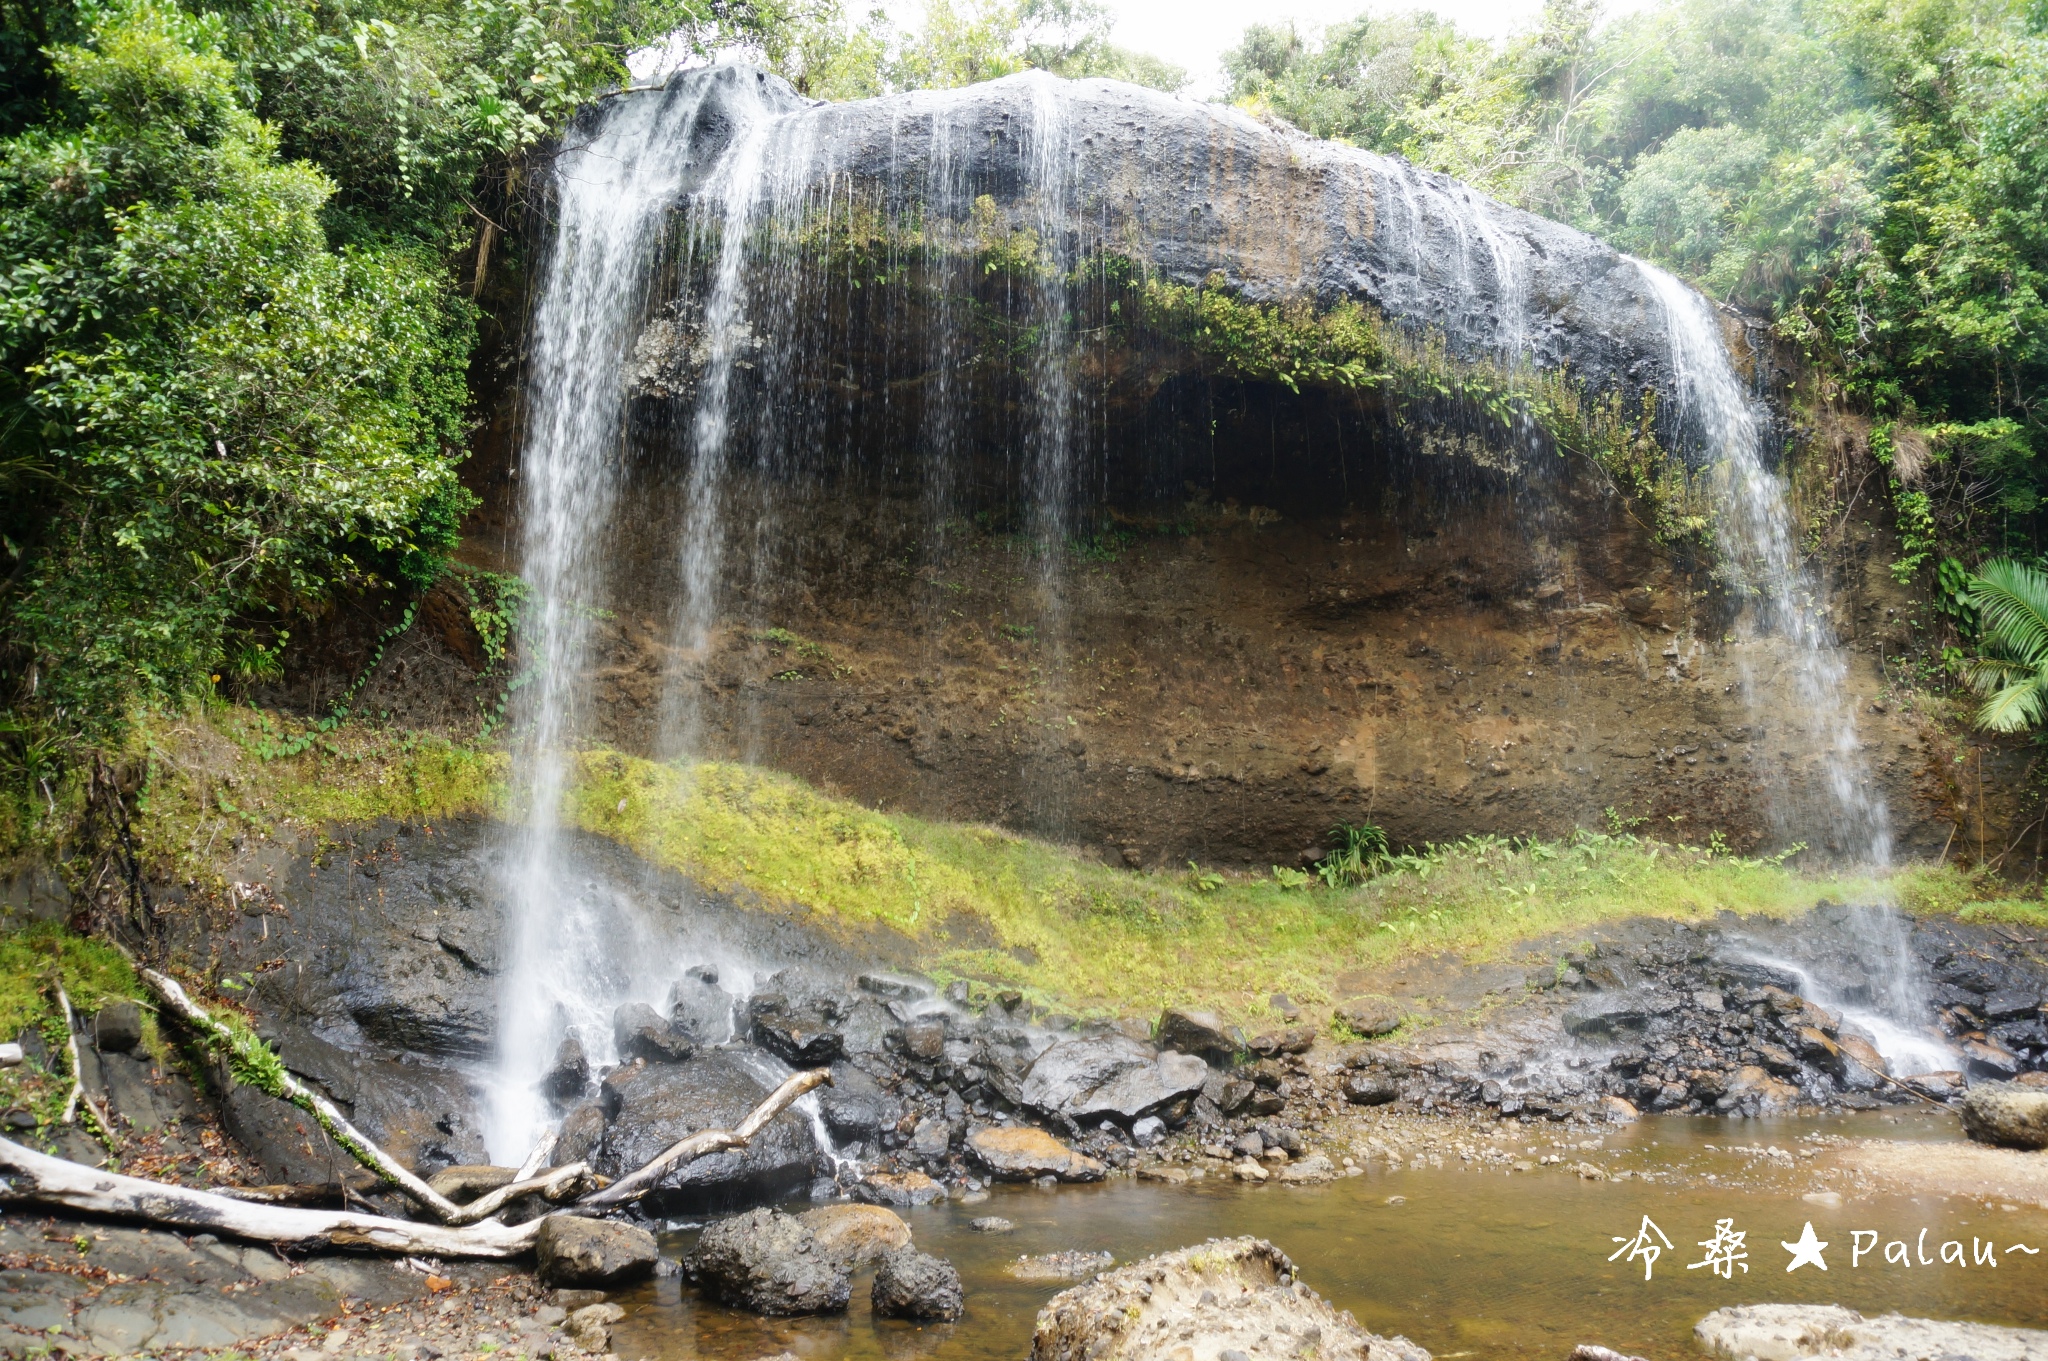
(1468, 1263)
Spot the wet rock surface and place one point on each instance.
(651, 1105)
(854, 1234)
(916, 1285)
(571, 1251)
(1022, 1153)
(1792, 1332)
(770, 1263)
(1227, 1298)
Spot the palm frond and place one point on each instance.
(2011, 600)
(2014, 708)
(1988, 674)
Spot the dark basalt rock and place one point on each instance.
(657, 1103)
(118, 1027)
(639, 1032)
(700, 1009)
(800, 1035)
(770, 1263)
(917, 1285)
(1198, 1032)
(568, 1078)
(1108, 1076)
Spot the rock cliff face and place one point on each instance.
(960, 536)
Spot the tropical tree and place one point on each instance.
(2011, 670)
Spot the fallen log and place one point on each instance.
(102, 1126)
(638, 1184)
(257, 1064)
(27, 1176)
(555, 1186)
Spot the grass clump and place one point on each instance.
(984, 904)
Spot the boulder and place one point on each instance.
(118, 1027)
(932, 1138)
(568, 1077)
(2007, 1114)
(1371, 1016)
(925, 1038)
(1370, 1089)
(855, 1106)
(1610, 1016)
(1023, 1153)
(1198, 1032)
(1295, 1039)
(801, 1038)
(1792, 1332)
(1942, 1086)
(898, 1188)
(1988, 1058)
(700, 1009)
(856, 1233)
(1749, 1090)
(590, 1327)
(917, 1285)
(656, 1104)
(769, 1263)
(991, 1224)
(1227, 1090)
(1861, 1068)
(573, 1251)
(577, 1137)
(1109, 1077)
(1226, 1299)
(640, 1033)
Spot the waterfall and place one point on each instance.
(753, 248)
(613, 180)
(1784, 612)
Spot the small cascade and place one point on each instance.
(1783, 624)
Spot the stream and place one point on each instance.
(1467, 1263)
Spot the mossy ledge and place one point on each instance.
(984, 904)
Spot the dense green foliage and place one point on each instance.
(1875, 175)
(2011, 668)
(826, 55)
(233, 350)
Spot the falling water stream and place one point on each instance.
(718, 220)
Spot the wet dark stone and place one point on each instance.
(1198, 1032)
(917, 1285)
(568, 1077)
(573, 1251)
(639, 1032)
(1094, 1078)
(802, 1039)
(118, 1027)
(658, 1103)
(770, 1263)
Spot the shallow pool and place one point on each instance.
(1468, 1263)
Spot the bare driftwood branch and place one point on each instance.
(708, 1141)
(28, 1176)
(559, 1185)
(299, 1094)
(543, 1149)
(78, 1092)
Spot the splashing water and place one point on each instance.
(1784, 618)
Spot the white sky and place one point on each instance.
(1195, 33)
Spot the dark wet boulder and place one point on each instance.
(2006, 1113)
(1227, 1092)
(568, 1077)
(700, 1009)
(577, 1137)
(1109, 1077)
(639, 1032)
(118, 1027)
(1023, 1153)
(855, 1107)
(799, 1035)
(916, 1285)
(1371, 1089)
(655, 1104)
(924, 1038)
(769, 1263)
(1241, 1297)
(1989, 1059)
(1613, 1016)
(1198, 1032)
(577, 1252)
